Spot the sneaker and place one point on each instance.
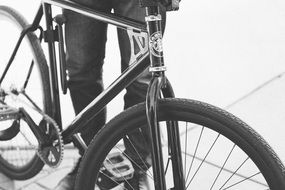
(138, 182)
(67, 183)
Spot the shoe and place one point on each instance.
(117, 172)
(66, 183)
(138, 182)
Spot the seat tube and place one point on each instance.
(153, 20)
(52, 66)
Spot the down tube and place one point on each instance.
(90, 111)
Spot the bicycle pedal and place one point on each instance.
(116, 168)
(119, 166)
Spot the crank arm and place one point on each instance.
(40, 135)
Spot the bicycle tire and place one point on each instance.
(215, 122)
(33, 164)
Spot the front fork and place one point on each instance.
(159, 84)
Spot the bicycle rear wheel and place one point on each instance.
(218, 150)
(28, 74)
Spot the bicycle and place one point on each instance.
(174, 124)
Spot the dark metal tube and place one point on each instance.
(30, 28)
(174, 143)
(119, 21)
(62, 57)
(153, 20)
(157, 157)
(24, 32)
(53, 69)
(175, 154)
(37, 18)
(34, 127)
(79, 142)
(155, 36)
(90, 111)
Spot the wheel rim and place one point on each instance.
(212, 161)
(19, 153)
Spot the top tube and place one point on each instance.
(119, 21)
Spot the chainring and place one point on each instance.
(51, 154)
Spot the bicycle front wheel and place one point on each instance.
(218, 151)
(28, 74)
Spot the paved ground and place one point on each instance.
(46, 179)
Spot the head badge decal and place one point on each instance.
(155, 44)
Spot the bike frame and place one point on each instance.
(158, 83)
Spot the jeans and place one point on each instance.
(85, 50)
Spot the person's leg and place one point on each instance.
(136, 92)
(85, 49)
(130, 8)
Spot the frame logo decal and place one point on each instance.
(155, 44)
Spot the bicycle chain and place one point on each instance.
(7, 116)
(40, 151)
(44, 153)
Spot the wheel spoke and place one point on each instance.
(203, 160)
(167, 164)
(214, 155)
(125, 179)
(194, 156)
(186, 135)
(147, 173)
(28, 75)
(35, 106)
(112, 179)
(138, 154)
(222, 168)
(235, 172)
(241, 181)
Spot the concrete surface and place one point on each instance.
(46, 179)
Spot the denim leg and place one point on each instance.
(130, 8)
(136, 92)
(85, 50)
